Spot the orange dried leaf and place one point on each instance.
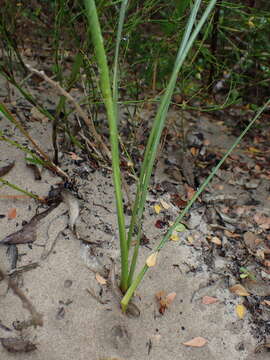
(190, 191)
(196, 342)
(100, 279)
(206, 300)
(152, 259)
(170, 298)
(238, 289)
(216, 240)
(74, 156)
(159, 295)
(12, 213)
(194, 151)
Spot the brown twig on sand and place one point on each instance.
(88, 121)
(37, 318)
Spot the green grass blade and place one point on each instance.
(94, 29)
(154, 139)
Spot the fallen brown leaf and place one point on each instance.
(16, 345)
(5, 169)
(207, 300)
(238, 289)
(12, 213)
(100, 279)
(196, 342)
(164, 300)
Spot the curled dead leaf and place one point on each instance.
(165, 205)
(164, 300)
(152, 259)
(216, 240)
(196, 342)
(170, 298)
(239, 289)
(100, 279)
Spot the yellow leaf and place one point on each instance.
(100, 279)
(174, 236)
(196, 342)
(190, 239)
(238, 289)
(157, 209)
(241, 311)
(253, 149)
(152, 259)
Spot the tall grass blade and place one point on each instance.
(154, 139)
(105, 85)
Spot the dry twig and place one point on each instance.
(37, 318)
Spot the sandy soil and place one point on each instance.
(78, 326)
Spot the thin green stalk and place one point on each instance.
(154, 139)
(21, 147)
(139, 277)
(94, 28)
(123, 8)
(15, 187)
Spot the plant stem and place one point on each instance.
(94, 28)
(15, 187)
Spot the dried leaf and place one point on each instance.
(170, 298)
(164, 300)
(100, 279)
(157, 208)
(74, 156)
(190, 191)
(240, 311)
(16, 345)
(216, 240)
(194, 151)
(37, 115)
(5, 169)
(12, 213)
(266, 302)
(28, 233)
(152, 259)
(165, 205)
(238, 289)
(263, 221)
(207, 300)
(159, 295)
(36, 170)
(73, 206)
(196, 342)
(174, 236)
